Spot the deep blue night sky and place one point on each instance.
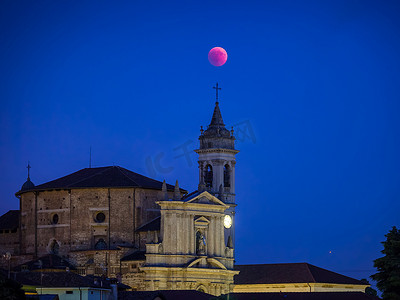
(312, 88)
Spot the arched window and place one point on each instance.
(54, 219)
(100, 245)
(208, 176)
(227, 176)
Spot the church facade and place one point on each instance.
(151, 235)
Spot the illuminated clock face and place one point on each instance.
(227, 221)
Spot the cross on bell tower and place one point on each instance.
(216, 91)
(29, 168)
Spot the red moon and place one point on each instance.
(217, 56)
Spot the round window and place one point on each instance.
(54, 220)
(100, 217)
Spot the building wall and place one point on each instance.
(212, 281)
(77, 293)
(28, 217)
(75, 211)
(9, 241)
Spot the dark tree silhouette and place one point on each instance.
(10, 289)
(388, 275)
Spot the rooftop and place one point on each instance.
(166, 295)
(137, 255)
(10, 220)
(302, 296)
(289, 273)
(153, 225)
(47, 262)
(62, 279)
(102, 177)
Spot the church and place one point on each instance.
(150, 235)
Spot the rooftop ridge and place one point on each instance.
(120, 170)
(86, 178)
(39, 186)
(309, 271)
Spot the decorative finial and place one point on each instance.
(216, 91)
(201, 129)
(177, 193)
(28, 167)
(232, 131)
(155, 237)
(164, 190)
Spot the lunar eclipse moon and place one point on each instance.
(217, 56)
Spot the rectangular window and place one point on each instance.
(82, 271)
(69, 292)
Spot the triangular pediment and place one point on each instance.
(206, 198)
(202, 221)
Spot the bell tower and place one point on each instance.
(217, 165)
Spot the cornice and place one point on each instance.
(217, 150)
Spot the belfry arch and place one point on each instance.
(208, 176)
(227, 175)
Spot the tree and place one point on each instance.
(10, 289)
(388, 266)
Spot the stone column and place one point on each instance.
(233, 163)
(217, 233)
(218, 172)
(184, 234)
(216, 236)
(201, 172)
(191, 234)
(222, 232)
(210, 239)
(174, 236)
(167, 233)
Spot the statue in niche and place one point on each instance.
(54, 247)
(200, 243)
